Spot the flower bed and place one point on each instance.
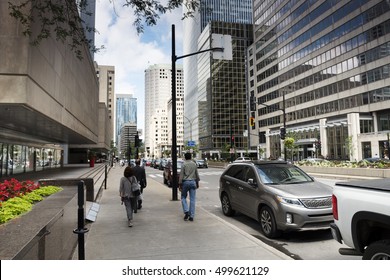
(17, 197)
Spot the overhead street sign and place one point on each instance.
(191, 143)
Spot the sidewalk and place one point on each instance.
(160, 233)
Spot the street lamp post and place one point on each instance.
(174, 134)
(190, 121)
(284, 119)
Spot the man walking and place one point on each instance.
(140, 174)
(188, 183)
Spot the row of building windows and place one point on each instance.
(337, 33)
(361, 59)
(344, 66)
(374, 96)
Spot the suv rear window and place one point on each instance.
(236, 171)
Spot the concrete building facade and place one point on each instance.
(48, 100)
(322, 68)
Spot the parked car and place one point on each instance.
(200, 163)
(156, 164)
(279, 195)
(168, 180)
(240, 159)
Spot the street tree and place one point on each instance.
(61, 20)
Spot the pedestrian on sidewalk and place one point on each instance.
(140, 174)
(188, 183)
(126, 194)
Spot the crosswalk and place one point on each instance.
(201, 174)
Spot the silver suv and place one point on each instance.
(279, 195)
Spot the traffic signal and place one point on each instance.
(252, 103)
(136, 140)
(282, 133)
(252, 121)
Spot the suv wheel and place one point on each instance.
(379, 250)
(226, 205)
(268, 223)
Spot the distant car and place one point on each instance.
(279, 195)
(313, 160)
(200, 163)
(167, 175)
(240, 159)
(376, 159)
(156, 164)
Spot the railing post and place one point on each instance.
(105, 177)
(81, 230)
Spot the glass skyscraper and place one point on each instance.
(198, 116)
(326, 64)
(126, 112)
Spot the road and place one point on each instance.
(305, 245)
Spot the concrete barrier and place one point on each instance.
(44, 233)
(348, 172)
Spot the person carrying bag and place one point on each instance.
(128, 190)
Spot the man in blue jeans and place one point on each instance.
(188, 183)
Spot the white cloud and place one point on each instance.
(132, 53)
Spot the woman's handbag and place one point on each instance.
(135, 187)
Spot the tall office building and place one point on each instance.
(218, 15)
(126, 112)
(126, 144)
(323, 69)
(106, 76)
(158, 92)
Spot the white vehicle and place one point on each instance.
(240, 159)
(361, 212)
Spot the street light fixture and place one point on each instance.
(284, 120)
(174, 134)
(191, 122)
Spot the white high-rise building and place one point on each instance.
(158, 93)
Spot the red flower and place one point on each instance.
(13, 188)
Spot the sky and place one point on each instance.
(133, 53)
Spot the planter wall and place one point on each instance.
(358, 172)
(44, 233)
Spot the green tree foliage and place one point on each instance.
(60, 19)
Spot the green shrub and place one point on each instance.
(16, 206)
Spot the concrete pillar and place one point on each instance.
(323, 138)
(268, 144)
(353, 131)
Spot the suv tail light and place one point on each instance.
(334, 208)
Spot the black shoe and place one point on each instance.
(191, 219)
(186, 216)
(135, 210)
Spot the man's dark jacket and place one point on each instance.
(140, 174)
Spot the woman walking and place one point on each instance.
(126, 194)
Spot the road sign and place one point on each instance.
(191, 143)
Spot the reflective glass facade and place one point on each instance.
(126, 111)
(228, 11)
(327, 59)
(222, 90)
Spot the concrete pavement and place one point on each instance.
(160, 233)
